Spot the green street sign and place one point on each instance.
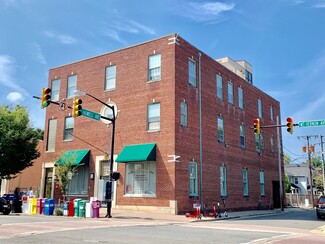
(90, 114)
(312, 123)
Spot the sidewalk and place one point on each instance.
(134, 214)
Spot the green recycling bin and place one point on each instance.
(76, 207)
(82, 208)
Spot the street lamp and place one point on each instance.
(109, 182)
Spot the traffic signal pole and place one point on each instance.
(279, 161)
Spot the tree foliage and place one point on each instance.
(18, 141)
(287, 184)
(62, 172)
(286, 159)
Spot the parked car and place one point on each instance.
(5, 207)
(320, 207)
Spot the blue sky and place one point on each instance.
(284, 40)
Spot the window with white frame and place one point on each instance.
(240, 98)
(221, 137)
(51, 135)
(183, 114)
(262, 185)
(72, 85)
(55, 93)
(296, 181)
(259, 108)
(79, 182)
(223, 181)
(68, 128)
(192, 72)
(242, 136)
(230, 93)
(193, 179)
(257, 142)
(245, 182)
(153, 117)
(140, 178)
(110, 81)
(154, 70)
(219, 87)
(271, 113)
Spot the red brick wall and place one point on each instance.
(132, 95)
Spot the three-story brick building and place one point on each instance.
(183, 129)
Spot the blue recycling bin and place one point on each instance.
(47, 207)
(51, 210)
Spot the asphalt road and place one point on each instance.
(297, 227)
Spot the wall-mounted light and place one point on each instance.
(91, 176)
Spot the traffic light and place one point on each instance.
(290, 125)
(76, 108)
(257, 126)
(46, 97)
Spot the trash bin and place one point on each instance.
(82, 208)
(40, 206)
(66, 208)
(96, 207)
(71, 209)
(89, 210)
(25, 207)
(34, 205)
(51, 210)
(30, 205)
(47, 207)
(76, 207)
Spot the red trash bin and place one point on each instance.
(40, 205)
(96, 206)
(71, 209)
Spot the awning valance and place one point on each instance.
(137, 152)
(77, 157)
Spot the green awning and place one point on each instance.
(137, 152)
(77, 157)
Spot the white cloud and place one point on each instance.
(204, 11)
(62, 38)
(39, 56)
(320, 5)
(15, 97)
(146, 29)
(7, 68)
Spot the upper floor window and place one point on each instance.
(153, 117)
(262, 185)
(154, 67)
(221, 137)
(110, 81)
(248, 76)
(219, 87)
(259, 108)
(51, 135)
(257, 142)
(242, 136)
(192, 72)
(223, 181)
(271, 113)
(272, 144)
(183, 114)
(245, 181)
(230, 93)
(55, 94)
(240, 98)
(72, 85)
(68, 128)
(193, 179)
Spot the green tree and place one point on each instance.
(286, 159)
(287, 184)
(18, 141)
(64, 171)
(316, 161)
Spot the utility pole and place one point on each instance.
(310, 166)
(279, 161)
(322, 152)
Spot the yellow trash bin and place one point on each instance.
(34, 207)
(30, 205)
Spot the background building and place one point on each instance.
(183, 130)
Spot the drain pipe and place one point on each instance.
(200, 116)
